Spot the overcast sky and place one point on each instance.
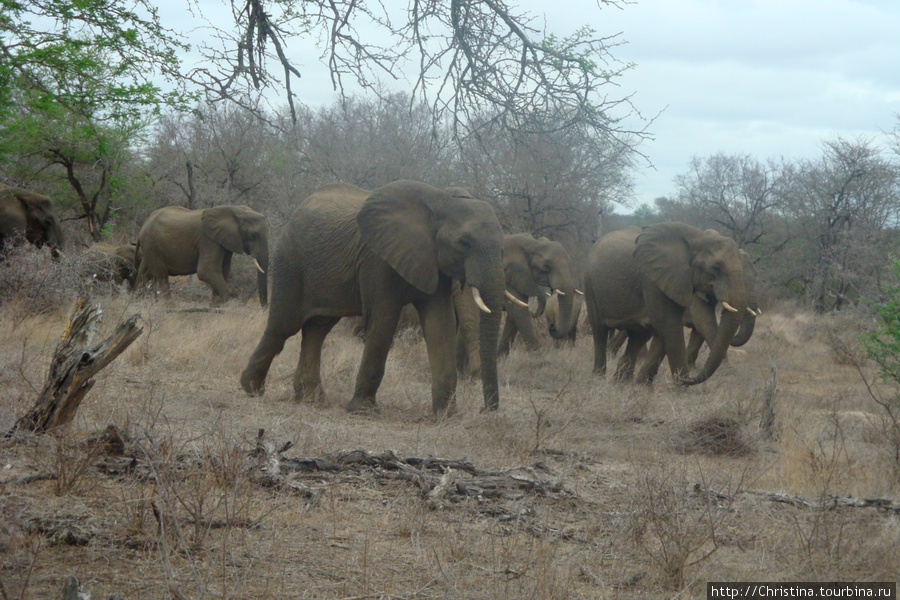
(768, 78)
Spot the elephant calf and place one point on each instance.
(179, 241)
(106, 262)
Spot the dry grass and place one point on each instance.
(654, 499)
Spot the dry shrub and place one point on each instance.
(676, 523)
(32, 282)
(714, 436)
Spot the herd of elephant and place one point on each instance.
(347, 251)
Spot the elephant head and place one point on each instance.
(424, 232)
(680, 261)
(241, 230)
(30, 215)
(532, 263)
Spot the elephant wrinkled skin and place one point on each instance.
(179, 241)
(643, 281)
(28, 215)
(529, 264)
(346, 251)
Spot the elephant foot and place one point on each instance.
(252, 386)
(362, 405)
(316, 395)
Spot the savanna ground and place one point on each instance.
(648, 504)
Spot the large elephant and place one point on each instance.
(529, 264)
(702, 330)
(107, 262)
(346, 251)
(643, 281)
(28, 215)
(179, 241)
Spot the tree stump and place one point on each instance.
(74, 364)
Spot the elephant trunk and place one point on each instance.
(719, 347)
(748, 323)
(487, 275)
(565, 319)
(542, 296)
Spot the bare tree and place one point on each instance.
(472, 57)
(843, 205)
(735, 194)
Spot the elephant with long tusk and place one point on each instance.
(644, 281)
(347, 251)
(530, 266)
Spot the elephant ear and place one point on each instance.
(396, 223)
(221, 225)
(664, 257)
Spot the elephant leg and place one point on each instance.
(210, 271)
(253, 379)
(522, 322)
(600, 334)
(508, 336)
(667, 317)
(438, 319)
(695, 342)
(652, 361)
(380, 329)
(308, 376)
(226, 266)
(636, 342)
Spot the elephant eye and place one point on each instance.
(465, 242)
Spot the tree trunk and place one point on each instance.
(73, 367)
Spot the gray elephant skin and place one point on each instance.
(530, 265)
(111, 263)
(179, 241)
(551, 315)
(697, 337)
(644, 280)
(346, 251)
(27, 215)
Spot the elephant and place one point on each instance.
(107, 262)
(644, 280)
(702, 333)
(346, 251)
(551, 315)
(28, 215)
(179, 241)
(529, 264)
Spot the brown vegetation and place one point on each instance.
(642, 490)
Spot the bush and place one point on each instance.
(36, 282)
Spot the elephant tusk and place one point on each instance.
(256, 262)
(752, 312)
(729, 307)
(515, 300)
(579, 292)
(477, 296)
(560, 292)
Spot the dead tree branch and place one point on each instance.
(73, 367)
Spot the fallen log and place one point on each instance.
(439, 480)
(73, 367)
